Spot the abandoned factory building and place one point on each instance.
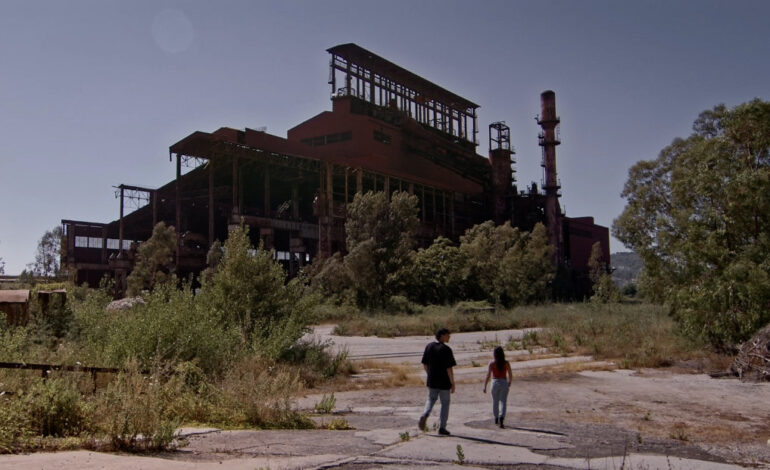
(389, 130)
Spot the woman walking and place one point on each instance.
(502, 376)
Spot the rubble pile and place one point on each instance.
(753, 359)
(123, 304)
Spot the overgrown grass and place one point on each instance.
(193, 375)
(478, 317)
(140, 412)
(634, 334)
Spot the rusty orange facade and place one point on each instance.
(388, 130)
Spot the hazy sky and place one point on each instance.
(92, 93)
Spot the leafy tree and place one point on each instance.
(484, 246)
(527, 268)
(596, 263)
(506, 265)
(699, 217)
(438, 273)
(380, 241)
(249, 291)
(602, 286)
(213, 258)
(155, 260)
(48, 254)
(330, 277)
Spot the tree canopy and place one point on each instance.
(48, 254)
(699, 215)
(248, 290)
(155, 260)
(380, 241)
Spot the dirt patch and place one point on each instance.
(601, 413)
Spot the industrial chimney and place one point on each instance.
(549, 139)
(501, 158)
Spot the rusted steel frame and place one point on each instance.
(45, 369)
(347, 190)
(266, 203)
(236, 205)
(211, 202)
(359, 180)
(178, 207)
(151, 197)
(120, 224)
(404, 95)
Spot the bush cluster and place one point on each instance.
(499, 264)
(698, 215)
(227, 353)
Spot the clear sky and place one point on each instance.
(93, 92)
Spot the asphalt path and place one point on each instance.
(542, 431)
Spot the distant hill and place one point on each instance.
(627, 266)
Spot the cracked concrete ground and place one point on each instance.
(600, 419)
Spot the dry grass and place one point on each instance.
(378, 374)
(554, 372)
(634, 335)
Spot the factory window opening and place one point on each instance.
(380, 136)
(328, 139)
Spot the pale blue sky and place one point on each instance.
(92, 93)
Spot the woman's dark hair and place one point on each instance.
(499, 355)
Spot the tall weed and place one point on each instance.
(55, 407)
(314, 361)
(15, 426)
(260, 393)
(134, 411)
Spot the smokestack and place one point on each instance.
(501, 158)
(549, 139)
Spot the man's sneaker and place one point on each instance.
(443, 432)
(502, 426)
(421, 423)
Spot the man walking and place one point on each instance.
(438, 360)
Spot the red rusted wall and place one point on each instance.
(581, 234)
(366, 152)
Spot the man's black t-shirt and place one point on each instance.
(438, 357)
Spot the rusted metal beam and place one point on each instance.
(211, 203)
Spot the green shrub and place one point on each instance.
(438, 273)
(400, 304)
(154, 261)
(629, 290)
(13, 341)
(15, 426)
(326, 405)
(337, 424)
(248, 291)
(56, 408)
(172, 325)
(315, 362)
(134, 411)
